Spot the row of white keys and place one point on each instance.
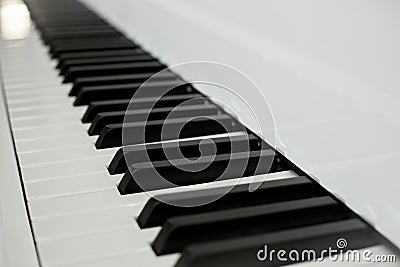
(60, 234)
(80, 222)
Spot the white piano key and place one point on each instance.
(35, 102)
(27, 79)
(45, 120)
(62, 154)
(144, 257)
(51, 82)
(16, 64)
(56, 227)
(31, 88)
(44, 92)
(78, 203)
(48, 131)
(74, 113)
(79, 184)
(71, 139)
(22, 69)
(16, 60)
(15, 74)
(46, 110)
(43, 110)
(92, 246)
(64, 169)
(18, 54)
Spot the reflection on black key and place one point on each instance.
(126, 91)
(111, 135)
(160, 175)
(137, 115)
(97, 107)
(89, 44)
(99, 53)
(181, 231)
(43, 24)
(104, 60)
(246, 251)
(188, 148)
(57, 29)
(157, 211)
(118, 79)
(94, 32)
(106, 69)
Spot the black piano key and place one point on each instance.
(99, 53)
(82, 44)
(127, 91)
(89, 44)
(118, 79)
(106, 69)
(181, 231)
(244, 251)
(81, 33)
(111, 135)
(60, 22)
(189, 149)
(104, 60)
(105, 118)
(45, 9)
(56, 29)
(52, 31)
(160, 175)
(58, 17)
(158, 210)
(97, 107)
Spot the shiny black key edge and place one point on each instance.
(96, 107)
(181, 231)
(82, 82)
(155, 151)
(108, 60)
(95, 54)
(111, 135)
(74, 72)
(243, 251)
(145, 115)
(157, 210)
(126, 91)
(242, 164)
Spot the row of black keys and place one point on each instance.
(108, 96)
(106, 69)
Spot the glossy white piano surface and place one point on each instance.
(329, 69)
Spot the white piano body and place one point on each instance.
(329, 70)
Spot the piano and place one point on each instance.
(198, 133)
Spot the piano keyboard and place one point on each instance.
(67, 88)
